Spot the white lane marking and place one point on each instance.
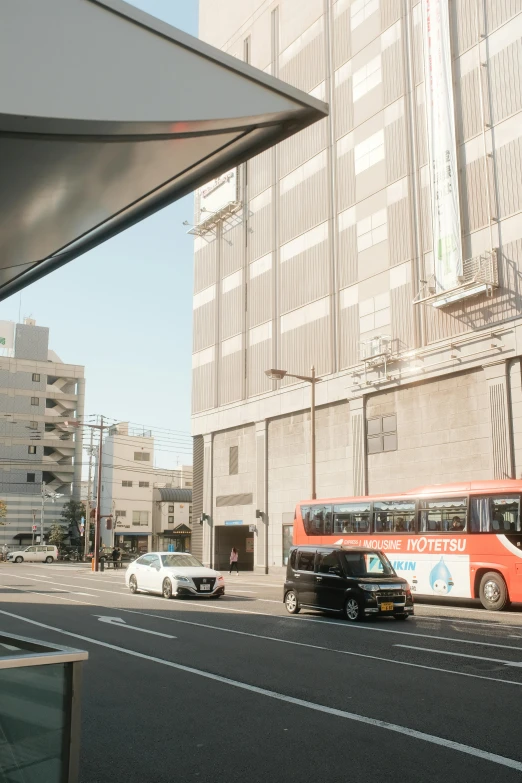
(89, 595)
(516, 664)
(491, 624)
(352, 716)
(318, 647)
(329, 622)
(240, 591)
(45, 595)
(120, 623)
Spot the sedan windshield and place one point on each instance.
(361, 564)
(180, 561)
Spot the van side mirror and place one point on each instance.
(335, 570)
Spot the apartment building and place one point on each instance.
(175, 478)
(172, 519)
(127, 489)
(38, 393)
(382, 245)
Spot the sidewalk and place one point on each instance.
(253, 576)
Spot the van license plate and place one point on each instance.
(207, 587)
(387, 606)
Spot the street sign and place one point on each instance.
(34, 528)
(234, 522)
(252, 529)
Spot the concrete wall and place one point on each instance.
(443, 434)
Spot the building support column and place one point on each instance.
(501, 441)
(208, 500)
(358, 440)
(261, 498)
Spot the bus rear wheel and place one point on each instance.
(493, 592)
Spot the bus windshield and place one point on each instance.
(366, 564)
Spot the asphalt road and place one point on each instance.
(238, 690)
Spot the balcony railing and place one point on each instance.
(479, 276)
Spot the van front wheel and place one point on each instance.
(353, 610)
(49, 559)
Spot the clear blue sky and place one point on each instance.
(124, 310)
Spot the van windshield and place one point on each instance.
(363, 564)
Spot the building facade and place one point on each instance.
(174, 478)
(172, 519)
(127, 489)
(38, 452)
(382, 245)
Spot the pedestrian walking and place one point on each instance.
(115, 556)
(234, 557)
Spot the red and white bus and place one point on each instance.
(456, 540)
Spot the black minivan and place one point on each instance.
(356, 581)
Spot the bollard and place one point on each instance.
(102, 564)
(92, 564)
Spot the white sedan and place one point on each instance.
(173, 574)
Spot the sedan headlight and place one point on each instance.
(181, 578)
(370, 588)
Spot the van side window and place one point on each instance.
(305, 561)
(326, 561)
(293, 557)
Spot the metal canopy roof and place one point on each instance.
(108, 115)
(174, 494)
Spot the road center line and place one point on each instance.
(516, 664)
(351, 716)
(301, 619)
(318, 647)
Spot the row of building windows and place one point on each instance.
(140, 483)
(138, 517)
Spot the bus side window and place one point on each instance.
(496, 514)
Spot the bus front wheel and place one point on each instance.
(493, 592)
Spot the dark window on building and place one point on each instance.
(33, 425)
(36, 377)
(141, 456)
(31, 449)
(144, 484)
(35, 401)
(171, 509)
(381, 434)
(233, 461)
(120, 513)
(126, 483)
(171, 520)
(31, 478)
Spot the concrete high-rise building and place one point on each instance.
(175, 478)
(38, 393)
(383, 245)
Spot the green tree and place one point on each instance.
(3, 512)
(72, 514)
(57, 534)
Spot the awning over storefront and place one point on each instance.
(107, 115)
(181, 530)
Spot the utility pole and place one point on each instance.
(42, 514)
(98, 501)
(87, 529)
(97, 530)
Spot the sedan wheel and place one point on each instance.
(352, 610)
(19, 560)
(133, 584)
(167, 588)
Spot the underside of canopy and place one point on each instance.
(108, 115)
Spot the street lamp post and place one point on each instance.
(278, 375)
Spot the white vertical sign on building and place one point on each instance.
(447, 242)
